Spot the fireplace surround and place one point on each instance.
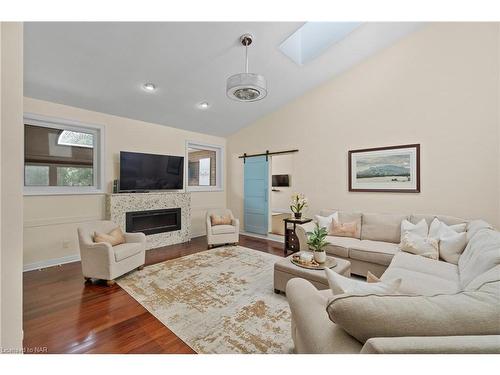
(169, 220)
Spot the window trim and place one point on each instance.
(219, 166)
(98, 162)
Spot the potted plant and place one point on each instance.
(317, 242)
(297, 204)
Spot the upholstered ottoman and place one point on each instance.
(285, 270)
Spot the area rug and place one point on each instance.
(217, 301)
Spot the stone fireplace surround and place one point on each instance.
(117, 205)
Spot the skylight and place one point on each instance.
(313, 38)
(73, 138)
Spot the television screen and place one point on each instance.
(281, 180)
(150, 172)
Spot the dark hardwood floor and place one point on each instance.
(62, 314)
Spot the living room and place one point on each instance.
(250, 187)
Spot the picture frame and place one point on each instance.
(392, 169)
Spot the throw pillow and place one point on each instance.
(220, 219)
(115, 237)
(371, 278)
(343, 230)
(452, 239)
(344, 285)
(420, 228)
(326, 221)
(438, 227)
(418, 245)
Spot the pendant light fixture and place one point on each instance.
(246, 87)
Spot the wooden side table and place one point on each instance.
(291, 239)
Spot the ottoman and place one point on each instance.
(285, 270)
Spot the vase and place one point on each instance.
(320, 256)
(297, 215)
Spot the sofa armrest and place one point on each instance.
(312, 330)
(301, 233)
(138, 237)
(433, 345)
(236, 223)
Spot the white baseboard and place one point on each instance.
(51, 262)
(269, 236)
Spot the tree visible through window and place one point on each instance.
(72, 138)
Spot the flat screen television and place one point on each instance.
(144, 172)
(281, 180)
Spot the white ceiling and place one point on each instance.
(101, 67)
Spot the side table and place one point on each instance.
(291, 240)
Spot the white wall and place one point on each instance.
(437, 87)
(280, 199)
(49, 221)
(11, 161)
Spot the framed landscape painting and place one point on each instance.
(385, 169)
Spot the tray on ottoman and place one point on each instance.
(285, 270)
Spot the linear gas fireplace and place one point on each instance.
(153, 221)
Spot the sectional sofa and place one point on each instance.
(441, 307)
(377, 238)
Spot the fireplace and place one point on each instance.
(153, 221)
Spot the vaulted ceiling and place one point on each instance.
(102, 67)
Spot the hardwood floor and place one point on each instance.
(62, 314)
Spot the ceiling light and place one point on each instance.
(246, 87)
(203, 105)
(150, 87)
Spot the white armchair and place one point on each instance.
(222, 234)
(103, 261)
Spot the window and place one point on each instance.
(62, 157)
(204, 167)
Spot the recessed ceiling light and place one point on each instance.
(203, 105)
(150, 87)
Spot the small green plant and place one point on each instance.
(317, 237)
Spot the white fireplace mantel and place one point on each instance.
(117, 205)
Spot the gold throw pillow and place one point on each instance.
(220, 219)
(115, 237)
(344, 229)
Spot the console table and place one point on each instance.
(291, 240)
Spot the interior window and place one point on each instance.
(204, 167)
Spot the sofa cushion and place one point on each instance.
(424, 246)
(339, 246)
(421, 228)
(464, 313)
(223, 229)
(449, 220)
(373, 251)
(423, 275)
(382, 227)
(481, 254)
(475, 226)
(126, 250)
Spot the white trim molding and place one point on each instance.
(51, 262)
(99, 157)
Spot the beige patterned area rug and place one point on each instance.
(217, 301)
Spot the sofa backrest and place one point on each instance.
(382, 227)
(448, 220)
(480, 259)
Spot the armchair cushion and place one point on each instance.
(126, 250)
(223, 229)
(115, 237)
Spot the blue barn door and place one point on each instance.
(255, 195)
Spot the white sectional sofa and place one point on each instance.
(441, 308)
(377, 240)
